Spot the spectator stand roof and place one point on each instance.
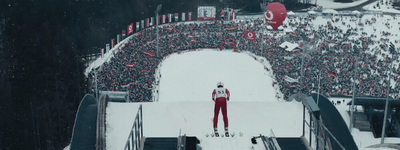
(375, 102)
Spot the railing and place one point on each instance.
(274, 145)
(136, 135)
(101, 123)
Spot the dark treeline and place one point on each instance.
(43, 44)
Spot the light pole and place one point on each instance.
(157, 20)
(392, 51)
(353, 91)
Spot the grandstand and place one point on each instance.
(335, 42)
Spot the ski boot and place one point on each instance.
(226, 132)
(216, 132)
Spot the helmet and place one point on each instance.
(220, 84)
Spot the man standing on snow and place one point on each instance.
(220, 96)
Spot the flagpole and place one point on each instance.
(353, 98)
(157, 20)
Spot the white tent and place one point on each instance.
(291, 13)
(289, 46)
(311, 12)
(356, 12)
(329, 11)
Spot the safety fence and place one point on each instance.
(135, 138)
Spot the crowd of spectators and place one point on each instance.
(329, 51)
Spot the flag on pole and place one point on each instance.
(123, 34)
(137, 26)
(164, 18)
(176, 17)
(130, 29)
(183, 16)
(190, 16)
(248, 35)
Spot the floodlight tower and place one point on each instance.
(157, 20)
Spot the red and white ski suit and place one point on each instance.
(220, 96)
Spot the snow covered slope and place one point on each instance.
(185, 104)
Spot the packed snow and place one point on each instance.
(185, 103)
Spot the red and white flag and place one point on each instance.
(248, 35)
(151, 21)
(233, 16)
(130, 29)
(176, 17)
(164, 18)
(169, 17)
(147, 22)
(123, 33)
(190, 16)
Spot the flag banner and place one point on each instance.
(232, 28)
(233, 16)
(164, 18)
(151, 21)
(176, 17)
(112, 43)
(128, 65)
(332, 74)
(190, 16)
(287, 57)
(126, 85)
(102, 52)
(137, 26)
(289, 79)
(107, 47)
(118, 38)
(147, 22)
(130, 29)
(248, 35)
(149, 53)
(169, 17)
(142, 23)
(183, 17)
(123, 33)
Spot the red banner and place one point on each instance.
(123, 32)
(130, 29)
(149, 53)
(248, 35)
(147, 22)
(190, 16)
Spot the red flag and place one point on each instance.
(248, 35)
(190, 16)
(231, 28)
(149, 53)
(147, 22)
(332, 74)
(123, 32)
(130, 29)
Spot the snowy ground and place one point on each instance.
(185, 104)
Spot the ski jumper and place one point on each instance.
(220, 96)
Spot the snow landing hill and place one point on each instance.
(184, 102)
